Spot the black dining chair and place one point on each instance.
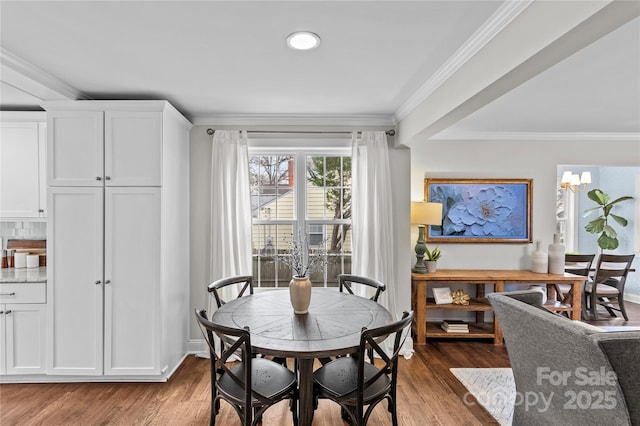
(346, 281)
(354, 383)
(578, 264)
(607, 286)
(250, 386)
(243, 283)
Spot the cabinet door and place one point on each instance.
(133, 148)
(25, 337)
(74, 287)
(19, 179)
(76, 148)
(132, 281)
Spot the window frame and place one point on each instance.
(299, 149)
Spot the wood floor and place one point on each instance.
(428, 394)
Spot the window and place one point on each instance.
(300, 190)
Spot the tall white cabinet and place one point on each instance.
(118, 238)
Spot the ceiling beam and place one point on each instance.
(540, 37)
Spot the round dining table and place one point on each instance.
(331, 327)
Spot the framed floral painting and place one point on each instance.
(480, 210)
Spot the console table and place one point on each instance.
(478, 303)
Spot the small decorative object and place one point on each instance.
(556, 256)
(302, 259)
(432, 258)
(539, 260)
(608, 239)
(442, 295)
(424, 214)
(460, 297)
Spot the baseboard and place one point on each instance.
(633, 298)
(198, 347)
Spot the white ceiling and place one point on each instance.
(225, 60)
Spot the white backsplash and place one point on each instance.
(10, 230)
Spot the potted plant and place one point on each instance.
(608, 239)
(432, 258)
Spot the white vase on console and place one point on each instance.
(539, 260)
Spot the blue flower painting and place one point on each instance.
(477, 210)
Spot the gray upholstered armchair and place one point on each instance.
(567, 372)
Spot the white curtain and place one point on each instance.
(230, 210)
(372, 219)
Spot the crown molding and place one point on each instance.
(539, 136)
(33, 80)
(502, 17)
(293, 120)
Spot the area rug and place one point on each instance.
(493, 388)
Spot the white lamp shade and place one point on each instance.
(566, 177)
(424, 213)
(586, 177)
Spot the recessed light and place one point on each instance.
(303, 40)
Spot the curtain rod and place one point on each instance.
(391, 132)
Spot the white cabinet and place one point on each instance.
(114, 148)
(22, 169)
(118, 247)
(22, 328)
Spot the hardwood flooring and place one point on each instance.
(428, 394)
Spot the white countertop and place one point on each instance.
(23, 275)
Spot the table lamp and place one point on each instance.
(424, 213)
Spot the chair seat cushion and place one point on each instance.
(268, 378)
(603, 289)
(339, 379)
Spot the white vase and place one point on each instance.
(556, 256)
(300, 294)
(432, 265)
(539, 260)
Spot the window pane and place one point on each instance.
(271, 179)
(268, 242)
(328, 187)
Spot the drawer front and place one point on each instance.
(23, 293)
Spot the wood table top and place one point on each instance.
(494, 275)
(332, 326)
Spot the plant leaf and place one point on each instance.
(607, 243)
(609, 231)
(598, 196)
(617, 200)
(595, 226)
(621, 220)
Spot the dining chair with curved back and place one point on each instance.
(250, 386)
(345, 282)
(578, 264)
(243, 282)
(607, 286)
(352, 382)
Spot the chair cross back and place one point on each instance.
(217, 285)
(582, 263)
(605, 272)
(345, 281)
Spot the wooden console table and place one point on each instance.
(478, 303)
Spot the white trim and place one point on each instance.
(502, 17)
(247, 120)
(34, 80)
(542, 136)
(633, 298)
(197, 347)
(20, 116)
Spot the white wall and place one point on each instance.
(509, 159)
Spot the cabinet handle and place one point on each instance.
(107, 178)
(107, 282)
(40, 210)
(98, 282)
(8, 312)
(1, 312)
(98, 178)
(8, 294)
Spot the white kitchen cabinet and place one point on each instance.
(22, 168)
(104, 147)
(22, 328)
(118, 255)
